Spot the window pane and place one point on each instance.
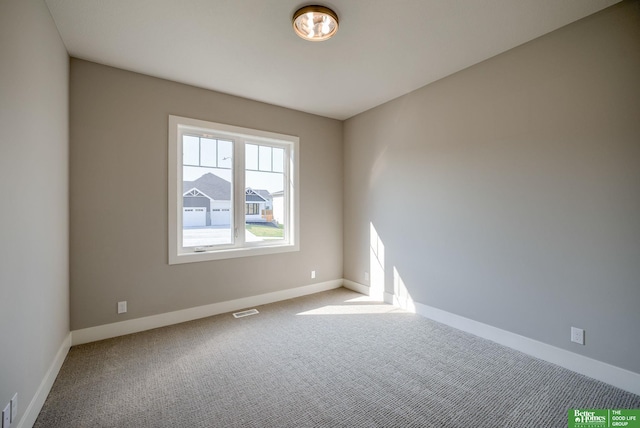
(225, 154)
(265, 158)
(208, 152)
(207, 213)
(251, 156)
(278, 160)
(190, 150)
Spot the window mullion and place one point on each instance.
(239, 189)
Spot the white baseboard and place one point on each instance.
(107, 331)
(616, 376)
(33, 409)
(357, 287)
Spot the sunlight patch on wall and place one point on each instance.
(376, 264)
(401, 296)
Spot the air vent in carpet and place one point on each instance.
(245, 313)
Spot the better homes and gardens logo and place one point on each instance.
(589, 418)
(603, 418)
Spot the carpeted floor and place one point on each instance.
(331, 359)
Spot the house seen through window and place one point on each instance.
(234, 189)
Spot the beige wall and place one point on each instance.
(119, 124)
(34, 269)
(509, 193)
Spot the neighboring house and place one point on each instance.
(258, 206)
(207, 202)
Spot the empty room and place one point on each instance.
(355, 213)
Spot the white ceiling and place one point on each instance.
(383, 49)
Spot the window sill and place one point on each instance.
(192, 257)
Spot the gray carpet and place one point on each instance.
(315, 361)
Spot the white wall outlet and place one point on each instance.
(366, 276)
(577, 335)
(313, 274)
(6, 416)
(122, 307)
(14, 407)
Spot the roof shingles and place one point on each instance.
(211, 185)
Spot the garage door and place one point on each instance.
(220, 217)
(194, 216)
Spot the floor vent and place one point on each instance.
(245, 313)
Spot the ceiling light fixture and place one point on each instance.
(315, 23)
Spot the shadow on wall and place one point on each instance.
(400, 295)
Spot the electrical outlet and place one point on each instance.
(6, 416)
(313, 274)
(366, 276)
(122, 307)
(577, 335)
(14, 407)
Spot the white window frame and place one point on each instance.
(241, 136)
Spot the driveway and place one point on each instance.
(211, 235)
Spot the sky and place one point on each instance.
(264, 164)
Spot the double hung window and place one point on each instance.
(233, 191)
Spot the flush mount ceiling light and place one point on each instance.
(315, 23)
